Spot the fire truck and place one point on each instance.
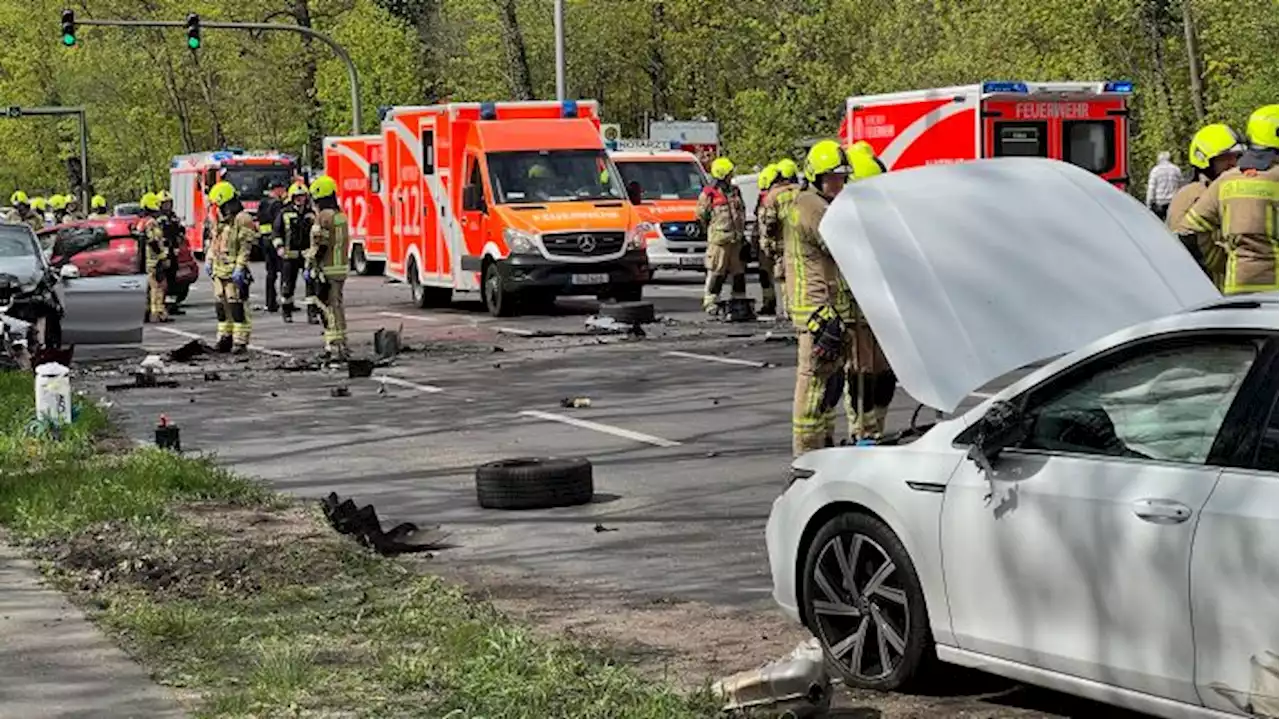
(1084, 123)
(191, 176)
(514, 201)
(356, 163)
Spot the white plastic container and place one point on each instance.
(53, 393)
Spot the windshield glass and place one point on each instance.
(16, 241)
(252, 182)
(674, 180)
(552, 176)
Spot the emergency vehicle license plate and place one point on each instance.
(591, 279)
(691, 261)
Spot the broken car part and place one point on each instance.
(357, 368)
(189, 351)
(534, 483)
(363, 524)
(630, 313)
(387, 343)
(795, 686)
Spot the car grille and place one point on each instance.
(682, 231)
(583, 244)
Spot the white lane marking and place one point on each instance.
(606, 428)
(194, 336)
(515, 331)
(429, 388)
(415, 318)
(714, 358)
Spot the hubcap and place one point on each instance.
(860, 608)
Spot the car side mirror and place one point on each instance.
(473, 199)
(1003, 425)
(69, 272)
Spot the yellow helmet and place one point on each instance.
(538, 171)
(222, 193)
(1211, 141)
(787, 168)
(57, 202)
(863, 161)
(39, 204)
(323, 186)
(162, 197)
(298, 189)
(150, 201)
(19, 198)
(825, 157)
(767, 177)
(721, 168)
(98, 202)
(1264, 127)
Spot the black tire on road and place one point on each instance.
(629, 312)
(534, 483)
(629, 293)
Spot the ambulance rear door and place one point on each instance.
(921, 127)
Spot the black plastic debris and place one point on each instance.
(143, 380)
(359, 368)
(212, 377)
(339, 392)
(738, 309)
(168, 436)
(189, 351)
(387, 343)
(362, 524)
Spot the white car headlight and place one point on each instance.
(637, 237)
(520, 242)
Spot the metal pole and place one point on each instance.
(84, 162)
(559, 16)
(352, 76)
(54, 111)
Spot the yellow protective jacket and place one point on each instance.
(722, 214)
(773, 207)
(1212, 254)
(232, 244)
(330, 244)
(812, 277)
(1241, 205)
(153, 238)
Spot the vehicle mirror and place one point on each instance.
(1002, 425)
(69, 272)
(473, 199)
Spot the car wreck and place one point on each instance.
(31, 305)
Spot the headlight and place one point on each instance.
(637, 237)
(520, 242)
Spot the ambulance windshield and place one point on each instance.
(252, 181)
(666, 180)
(552, 176)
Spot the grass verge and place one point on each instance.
(253, 607)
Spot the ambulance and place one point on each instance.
(516, 202)
(1084, 123)
(355, 163)
(670, 182)
(191, 176)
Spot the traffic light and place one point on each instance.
(69, 28)
(193, 31)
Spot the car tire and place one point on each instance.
(359, 261)
(498, 301)
(424, 297)
(534, 483)
(631, 313)
(891, 616)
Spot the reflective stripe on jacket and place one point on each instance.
(812, 277)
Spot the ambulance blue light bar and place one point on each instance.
(488, 111)
(1124, 86)
(569, 108)
(1002, 87)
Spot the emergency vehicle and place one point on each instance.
(191, 176)
(516, 201)
(1084, 123)
(355, 163)
(670, 182)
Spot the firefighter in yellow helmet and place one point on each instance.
(766, 255)
(770, 212)
(157, 257)
(1214, 150)
(1241, 204)
(228, 265)
(23, 211)
(58, 206)
(723, 218)
(291, 238)
(98, 208)
(327, 261)
(819, 302)
(71, 208)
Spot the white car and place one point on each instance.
(1105, 526)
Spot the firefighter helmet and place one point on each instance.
(863, 161)
(39, 204)
(1211, 141)
(1264, 127)
(323, 186)
(98, 202)
(721, 168)
(298, 189)
(150, 201)
(19, 198)
(787, 168)
(767, 177)
(222, 193)
(824, 157)
(57, 202)
(163, 196)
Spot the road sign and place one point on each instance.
(686, 133)
(611, 133)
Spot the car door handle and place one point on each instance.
(1161, 511)
(132, 285)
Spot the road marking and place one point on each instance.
(606, 428)
(407, 384)
(516, 331)
(194, 336)
(415, 318)
(714, 358)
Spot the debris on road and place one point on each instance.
(339, 392)
(212, 377)
(387, 343)
(535, 483)
(357, 368)
(631, 313)
(601, 528)
(782, 337)
(795, 686)
(610, 325)
(168, 436)
(363, 524)
(143, 380)
(189, 351)
(737, 309)
(575, 402)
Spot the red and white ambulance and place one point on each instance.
(1084, 123)
(670, 182)
(515, 201)
(356, 163)
(191, 176)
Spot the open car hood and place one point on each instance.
(969, 271)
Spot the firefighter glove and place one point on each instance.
(240, 277)
(828, 333)
(208, 268)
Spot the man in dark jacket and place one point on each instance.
(268, 211)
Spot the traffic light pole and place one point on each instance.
(338, 50)
(16, 112)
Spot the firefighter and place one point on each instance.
(1241, 204)
(24, 211)
(772, 207)
(722, 216)
(174, 235)
(291, 237)
(871, 382)
(768, 300)
(157, 257)
(1214, 150)
(327, 261)
(98, 208)
(58, 205)
(72, 212)
(268, 210)
(40, 209)
(819, 302)
(228, 265)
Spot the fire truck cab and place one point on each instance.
(670, 182)
(191, 176)
(356, 164)
(515, 201)
(1084, 123)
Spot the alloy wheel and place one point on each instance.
(860, 607)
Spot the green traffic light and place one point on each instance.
(68, 40)
(193, 43)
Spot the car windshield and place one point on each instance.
(552, 176)
(252, 181)
(128, 209)
(673, 180)
(16, 241)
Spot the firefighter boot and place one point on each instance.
(286, 312)
(224, 344)
(313, 315)
(711, 299)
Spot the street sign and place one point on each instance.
(611, 133)
(685, 132)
